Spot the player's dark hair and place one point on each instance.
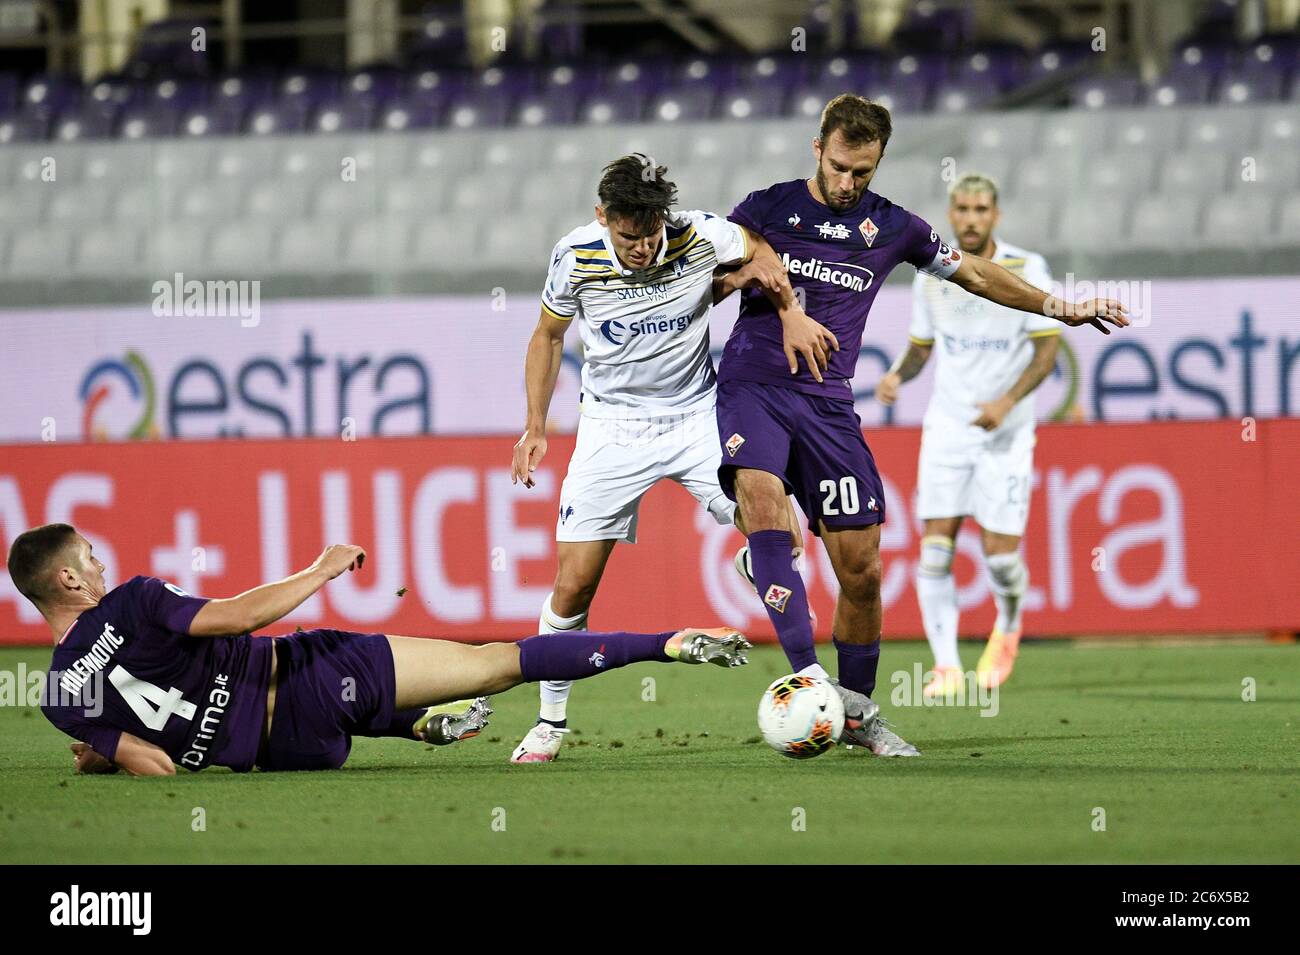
(634, 188)
(31, 555)
(859, 121)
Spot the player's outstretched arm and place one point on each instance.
(541, 370)
(264, 605)
(991, 281)
(907, 367)
(133, 755)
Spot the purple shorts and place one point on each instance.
(812, 443)
(330, 685)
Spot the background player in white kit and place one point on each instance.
(977, 443)
(640, 280)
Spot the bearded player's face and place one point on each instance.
(844, 171)
(973, 216)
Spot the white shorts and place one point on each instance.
(987, 477)
(616, 460)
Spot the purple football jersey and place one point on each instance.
(129, 665)
(839, 260)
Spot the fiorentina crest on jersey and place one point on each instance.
(733, 444)
(869, 230)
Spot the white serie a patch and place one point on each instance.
(174, 589)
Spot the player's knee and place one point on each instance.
(860, 578)
(936, 556)
(1007, 572)
(762, 500)
(572, 595)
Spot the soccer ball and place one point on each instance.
(800, 716)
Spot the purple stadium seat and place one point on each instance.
(781, 72)
(959, 96)
(148, 121)
(210, 121)
(682, 105)
(647, 76)
(92, 120)
(1181, 88)
(413, 112)
(243, 92)
(572, 79)
(932, 68)
(477, 110)
(307, 89)
(1056, 57)
(509, 79)
(276, 119)
(1112, 89)
(1205, 57)
(906, 93)
(928, 26)
(47, 96)
(1254, 85)
(1002, 66)
(182, 92)
(344, 115)
(849, 73)
(23, 128)
(752, 101)
(716, 72)
(554, 107)
(1278, 50)
(618, 105)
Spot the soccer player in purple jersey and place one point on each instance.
(786, 429)
(147, 678)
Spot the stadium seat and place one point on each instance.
(1159, 224)
(39, 253)
(108, 250)
(175, 247)
(1123, 173)
(376, 244)
(277, 200)
(998, 166)
(78, 202)
(1288, 223)
(116, 163)
(183, 163)
(1030, 222)
(1221, 129)
(246, 159)
(413, 197)
(1092, 222)
(1157, 130)
(24, 205)
(1275, 171)
(308, 246)
(209, 201)
(234, 247)
(436, 247)
(1196, 172)
(1237, 221)
(511, 242)
(1076, 131)
(344, 201)
(143, 202)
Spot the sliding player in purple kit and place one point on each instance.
(146, 677)
(786, 429)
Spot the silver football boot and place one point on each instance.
(439, 727)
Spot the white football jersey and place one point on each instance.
(980, 347)
(645, 333)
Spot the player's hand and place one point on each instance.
(803, 337)
(887, 389)
(339, 557)
(1097, 312)
(992, 413)
(529, 451)
(87, 761)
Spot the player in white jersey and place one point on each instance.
(639, 280)
(977, 443)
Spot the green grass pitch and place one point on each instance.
(1158, 737)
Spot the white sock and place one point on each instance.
(936, 592)
(1008, 578)
(814, 669)
(555, 693)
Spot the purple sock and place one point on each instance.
(579, 654)
(858, 662)
(783, 594)
(399, 726)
